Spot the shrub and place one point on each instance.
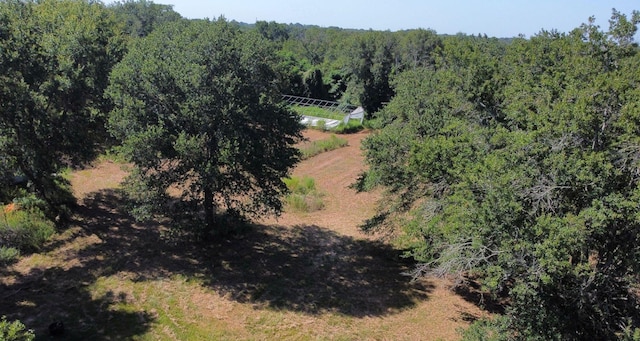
(8, 254)
(14, 331)
(304, 196)
(304, 185)
(321, 125)
(487, 330)
(24, 229)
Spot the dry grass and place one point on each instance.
(309, 276)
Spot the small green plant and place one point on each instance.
(303, 196)
(321, 125)
(8, 254)
(14, 331)
(113, 154)
(353, 126)
(297, 185)
(317, 147)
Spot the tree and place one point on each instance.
(372, 64)
(196, 108)
(417, 48)
(314, 86)
(273, 31)
(55, 56)
(519, 167)
(141, 16)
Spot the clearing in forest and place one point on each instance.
(303, 276)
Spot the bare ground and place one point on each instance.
(300, 276)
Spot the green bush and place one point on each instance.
(304, 185)
(24, 229)
(487, 330)
(8, 254)
(320, 125)
(304, 196)
(14, 331)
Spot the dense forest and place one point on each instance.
(510, 164)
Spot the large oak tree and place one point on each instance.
(197, 108)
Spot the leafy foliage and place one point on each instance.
(196, 107)
(55, 56)
(14, 331)
(518, 166)
(23, 228)
(140, 17)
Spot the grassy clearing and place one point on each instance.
(111, 278)
(304, 196)
(318, 112)
(317, 147)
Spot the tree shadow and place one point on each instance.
(307, 269)
(314, 270)
(55, 294)
(62, 291)
(472, 292)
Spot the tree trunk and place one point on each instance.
(209, 216)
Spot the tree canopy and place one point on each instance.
(55, 57)
(141, 17)
(196, 107)
(519, 165)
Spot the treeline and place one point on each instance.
(516, 166)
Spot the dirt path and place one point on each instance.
(301, 276)
(334, 172)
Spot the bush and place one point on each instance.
(8, 254)
(23, 229)
(304, 185)
(304, 196)
(14, 331)
(487, 330)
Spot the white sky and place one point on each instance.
(496, 18)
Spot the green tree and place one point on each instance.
(417, 48)
(55, 56)
(518, 166)
(140, 17)
(197, 108)
(273, 31)
(371, 66)
(314, 86)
